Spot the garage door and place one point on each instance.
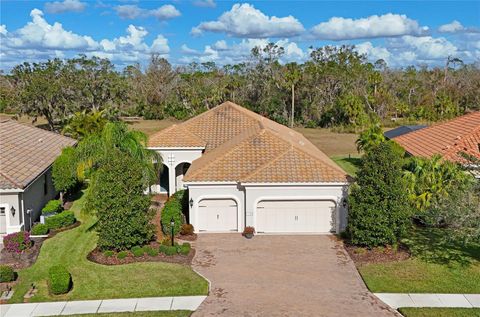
(295, 216)
(217, 215)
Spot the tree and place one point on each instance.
(116, 196)
(85, 123)
(95, 150)
(370, 138)
(64, 171)
(379, 209)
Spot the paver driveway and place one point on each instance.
(281, 276)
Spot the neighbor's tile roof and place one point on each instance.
(242, 146)
(448, 139)
(25, 152)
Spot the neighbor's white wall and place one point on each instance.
(254, 194)
(199, 192)
(172, 158)
(13, 224)
(35, 199)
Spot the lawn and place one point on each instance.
(437, 265)
(175, 313)
(440, 312)
(95, 281)
(349, 163)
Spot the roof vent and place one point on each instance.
(40, 140)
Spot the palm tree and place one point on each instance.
(116, 138)
(369, 138)
(83, 124)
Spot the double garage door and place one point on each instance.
(295, 216)
(272, 216)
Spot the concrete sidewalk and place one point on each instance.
(398, 300)
(102, 306)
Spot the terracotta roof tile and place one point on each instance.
(26, 151)
(244, 146)
(447, 139)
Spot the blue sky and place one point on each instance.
(402, 33)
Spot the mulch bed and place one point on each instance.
(363, 256)
(188, 237)
(29, 256)
(97, 256)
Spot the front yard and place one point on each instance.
(95, 281)
(436, 266)
(440, 312)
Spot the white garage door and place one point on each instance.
(217, 215)
(295, 216)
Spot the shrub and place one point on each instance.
(170, 250)
(17, 242)
(59, 280)
(108, 253)
(6, 274)
(185, 248)
(122, 255)
(137, 251)
(53, 206)
(378, 204)
(63, 219)
(172, 209)
(64, 171)
(167, 241)
(248, 230)
(187, 229)
(39, 229)
(162, 248)
(116, 196)
(150, 251)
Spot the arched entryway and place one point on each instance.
(163, 181)
(180, 171)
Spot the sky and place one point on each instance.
(402, 33)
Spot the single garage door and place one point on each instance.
(217, 215)
(295, 216)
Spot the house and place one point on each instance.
(26, 157)
(451, 139)
(242, 169)
(404, 129)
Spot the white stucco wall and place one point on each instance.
(172, 157)
(9, 200)
(199, 192)
(255, 194)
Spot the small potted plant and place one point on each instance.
(248, 232)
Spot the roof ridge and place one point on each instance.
(454, 149)
(262, 167)
(231, 149)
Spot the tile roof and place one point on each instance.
(242, 146)
(25, 152)
(448, 139)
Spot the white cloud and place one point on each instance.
(374, 52)
(387, 25)
(238, 52)
(39, 40)
(205, 3)
(451, 27)
(427, 47)
(130, 11)
(65, 6)
(243, 20)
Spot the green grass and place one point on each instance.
(440, 312)
(95, 281)
(349, 163)
(175, 313)
(437, 265)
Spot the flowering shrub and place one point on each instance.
(17, 242)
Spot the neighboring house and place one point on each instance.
(404, 129)
(26, 157)
(242, 169)
(449, 139)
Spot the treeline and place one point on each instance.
(335, 87)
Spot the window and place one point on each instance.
(2, 211)
(45, 184)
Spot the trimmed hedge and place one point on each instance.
(172, 209)
(150, 251)
(59, 280)
(39, 229)
(170, 250)
(137, 251)
(53, 206)
(108, 253)
(184, 248)
(63, 219)
(122, 255)
(6, 274)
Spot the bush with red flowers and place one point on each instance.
(17, 242)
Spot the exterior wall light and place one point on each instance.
(12, 210)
